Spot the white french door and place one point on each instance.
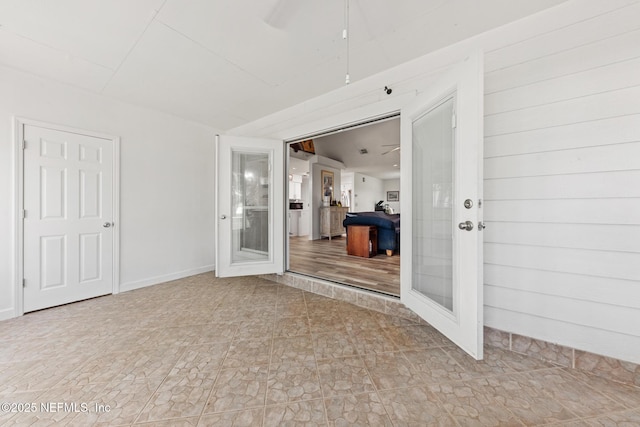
(249, 206)
(441, 241)
(68, 235)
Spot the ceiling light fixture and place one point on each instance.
(345, 36)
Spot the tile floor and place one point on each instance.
(250, 352)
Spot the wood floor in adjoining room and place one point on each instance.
(328, 259)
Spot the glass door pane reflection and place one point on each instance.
(250, 190)
(433, 154)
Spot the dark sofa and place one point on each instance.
(388, 228)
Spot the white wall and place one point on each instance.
(562, 181)
(346, 187)
(391, 185)
(367, 191)
(166, 222)
(304, 226)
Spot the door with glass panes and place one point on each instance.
(441, 233)
(441, 240)
(249, 206)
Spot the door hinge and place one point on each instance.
(24, 144)
(24, 283)
(453, 121)
(24, 213)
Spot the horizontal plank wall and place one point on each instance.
(562, 185)
(562, 168)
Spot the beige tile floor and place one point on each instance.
(249, 352)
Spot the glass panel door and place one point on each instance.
(441, 241)
(433, 154)
(249, 206)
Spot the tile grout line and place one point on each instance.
(220, 368)
(315, 356)
(157, 388)
(272, 345)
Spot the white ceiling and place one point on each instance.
(381, 140)
(376, 139)
(226, 63)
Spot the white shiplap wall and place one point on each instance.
(562, 168)
(562, 185)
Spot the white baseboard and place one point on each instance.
(130, 286)
(10, 313)
(7, 313)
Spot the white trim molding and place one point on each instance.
(7, 314)
(130, 286)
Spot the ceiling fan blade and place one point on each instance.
(280, 14)
(391, 151)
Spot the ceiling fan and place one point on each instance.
(397, 148)
(280, 13)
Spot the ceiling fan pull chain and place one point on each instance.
(345, 36)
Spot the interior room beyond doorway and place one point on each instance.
(355, 174)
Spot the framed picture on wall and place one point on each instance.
(393, 196)
(326, 177)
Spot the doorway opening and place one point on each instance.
(452, 202)
(352, 174)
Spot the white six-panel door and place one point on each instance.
(68, 233)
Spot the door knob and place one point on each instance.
(467, 225)
(106, 225)
(223, 217)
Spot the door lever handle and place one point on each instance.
(467, 225)
(223, 217)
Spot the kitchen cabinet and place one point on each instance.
(294, 221)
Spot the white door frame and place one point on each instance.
(18, 203)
